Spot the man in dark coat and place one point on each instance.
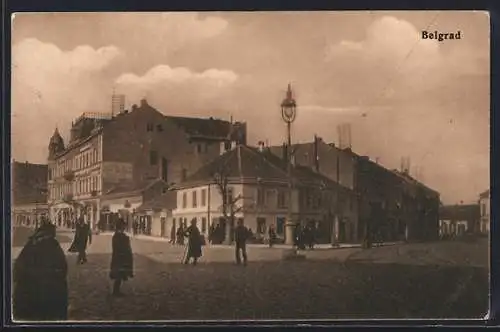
(272, 235)
(39, 279)
(194, 243)
(83, 235)
(241, 235)
(122, 261)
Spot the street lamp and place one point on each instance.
(288, 113)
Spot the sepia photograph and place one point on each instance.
(250, 166)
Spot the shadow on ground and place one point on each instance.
(277, 290)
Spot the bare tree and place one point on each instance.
(230, 206)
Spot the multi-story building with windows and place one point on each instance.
(256, 191)
(484, 203)
(109, 156)
(29, 193)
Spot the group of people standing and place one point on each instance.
(40, 287)
(304, 236)
(196, 241)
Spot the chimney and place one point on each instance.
(144, 102)
(134, 107)
(315, 153)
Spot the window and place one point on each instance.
(195, 200)
(198, 148)
(282, 199)
(261, 196)
(203, 197)
(50, 174)
(184, 200)
(203, 225)
(149, 127)
(184, 174)
(164, 169)
(153, 157)
(483, 210)
(227, 146)
(159, 127)
(261, 225)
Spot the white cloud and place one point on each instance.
(163, 73)
(181, 89)
(389, 40)
(51, 86)
(342, 110)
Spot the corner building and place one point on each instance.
(108, 155)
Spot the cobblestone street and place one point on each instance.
(335, 283)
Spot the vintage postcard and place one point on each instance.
(250, 166)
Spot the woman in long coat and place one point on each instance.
(194, 243)
(122, 261)
(83, 236)
(39, 279)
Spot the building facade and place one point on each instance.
(484, 202)
(29, 193)
(338, 166)
(458, 220)
(109, 154)
(393, 206)
(254, 188)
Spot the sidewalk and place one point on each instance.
(327, 246)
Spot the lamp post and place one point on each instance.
(288, 113)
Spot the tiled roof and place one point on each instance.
(167, 201)
(459, 212)
(132, 187)
(29, 183)
(240, 162)
(204, 127)
(244, 162)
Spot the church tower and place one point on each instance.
(56, 145)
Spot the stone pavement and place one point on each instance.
(270, 288)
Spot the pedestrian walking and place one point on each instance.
(122, 261)
(83, 236)
(180, 235)
(272, 236)
(40, 279)
(194, 243)
(172, 235)
(241, 235)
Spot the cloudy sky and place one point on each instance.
(402, 96)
